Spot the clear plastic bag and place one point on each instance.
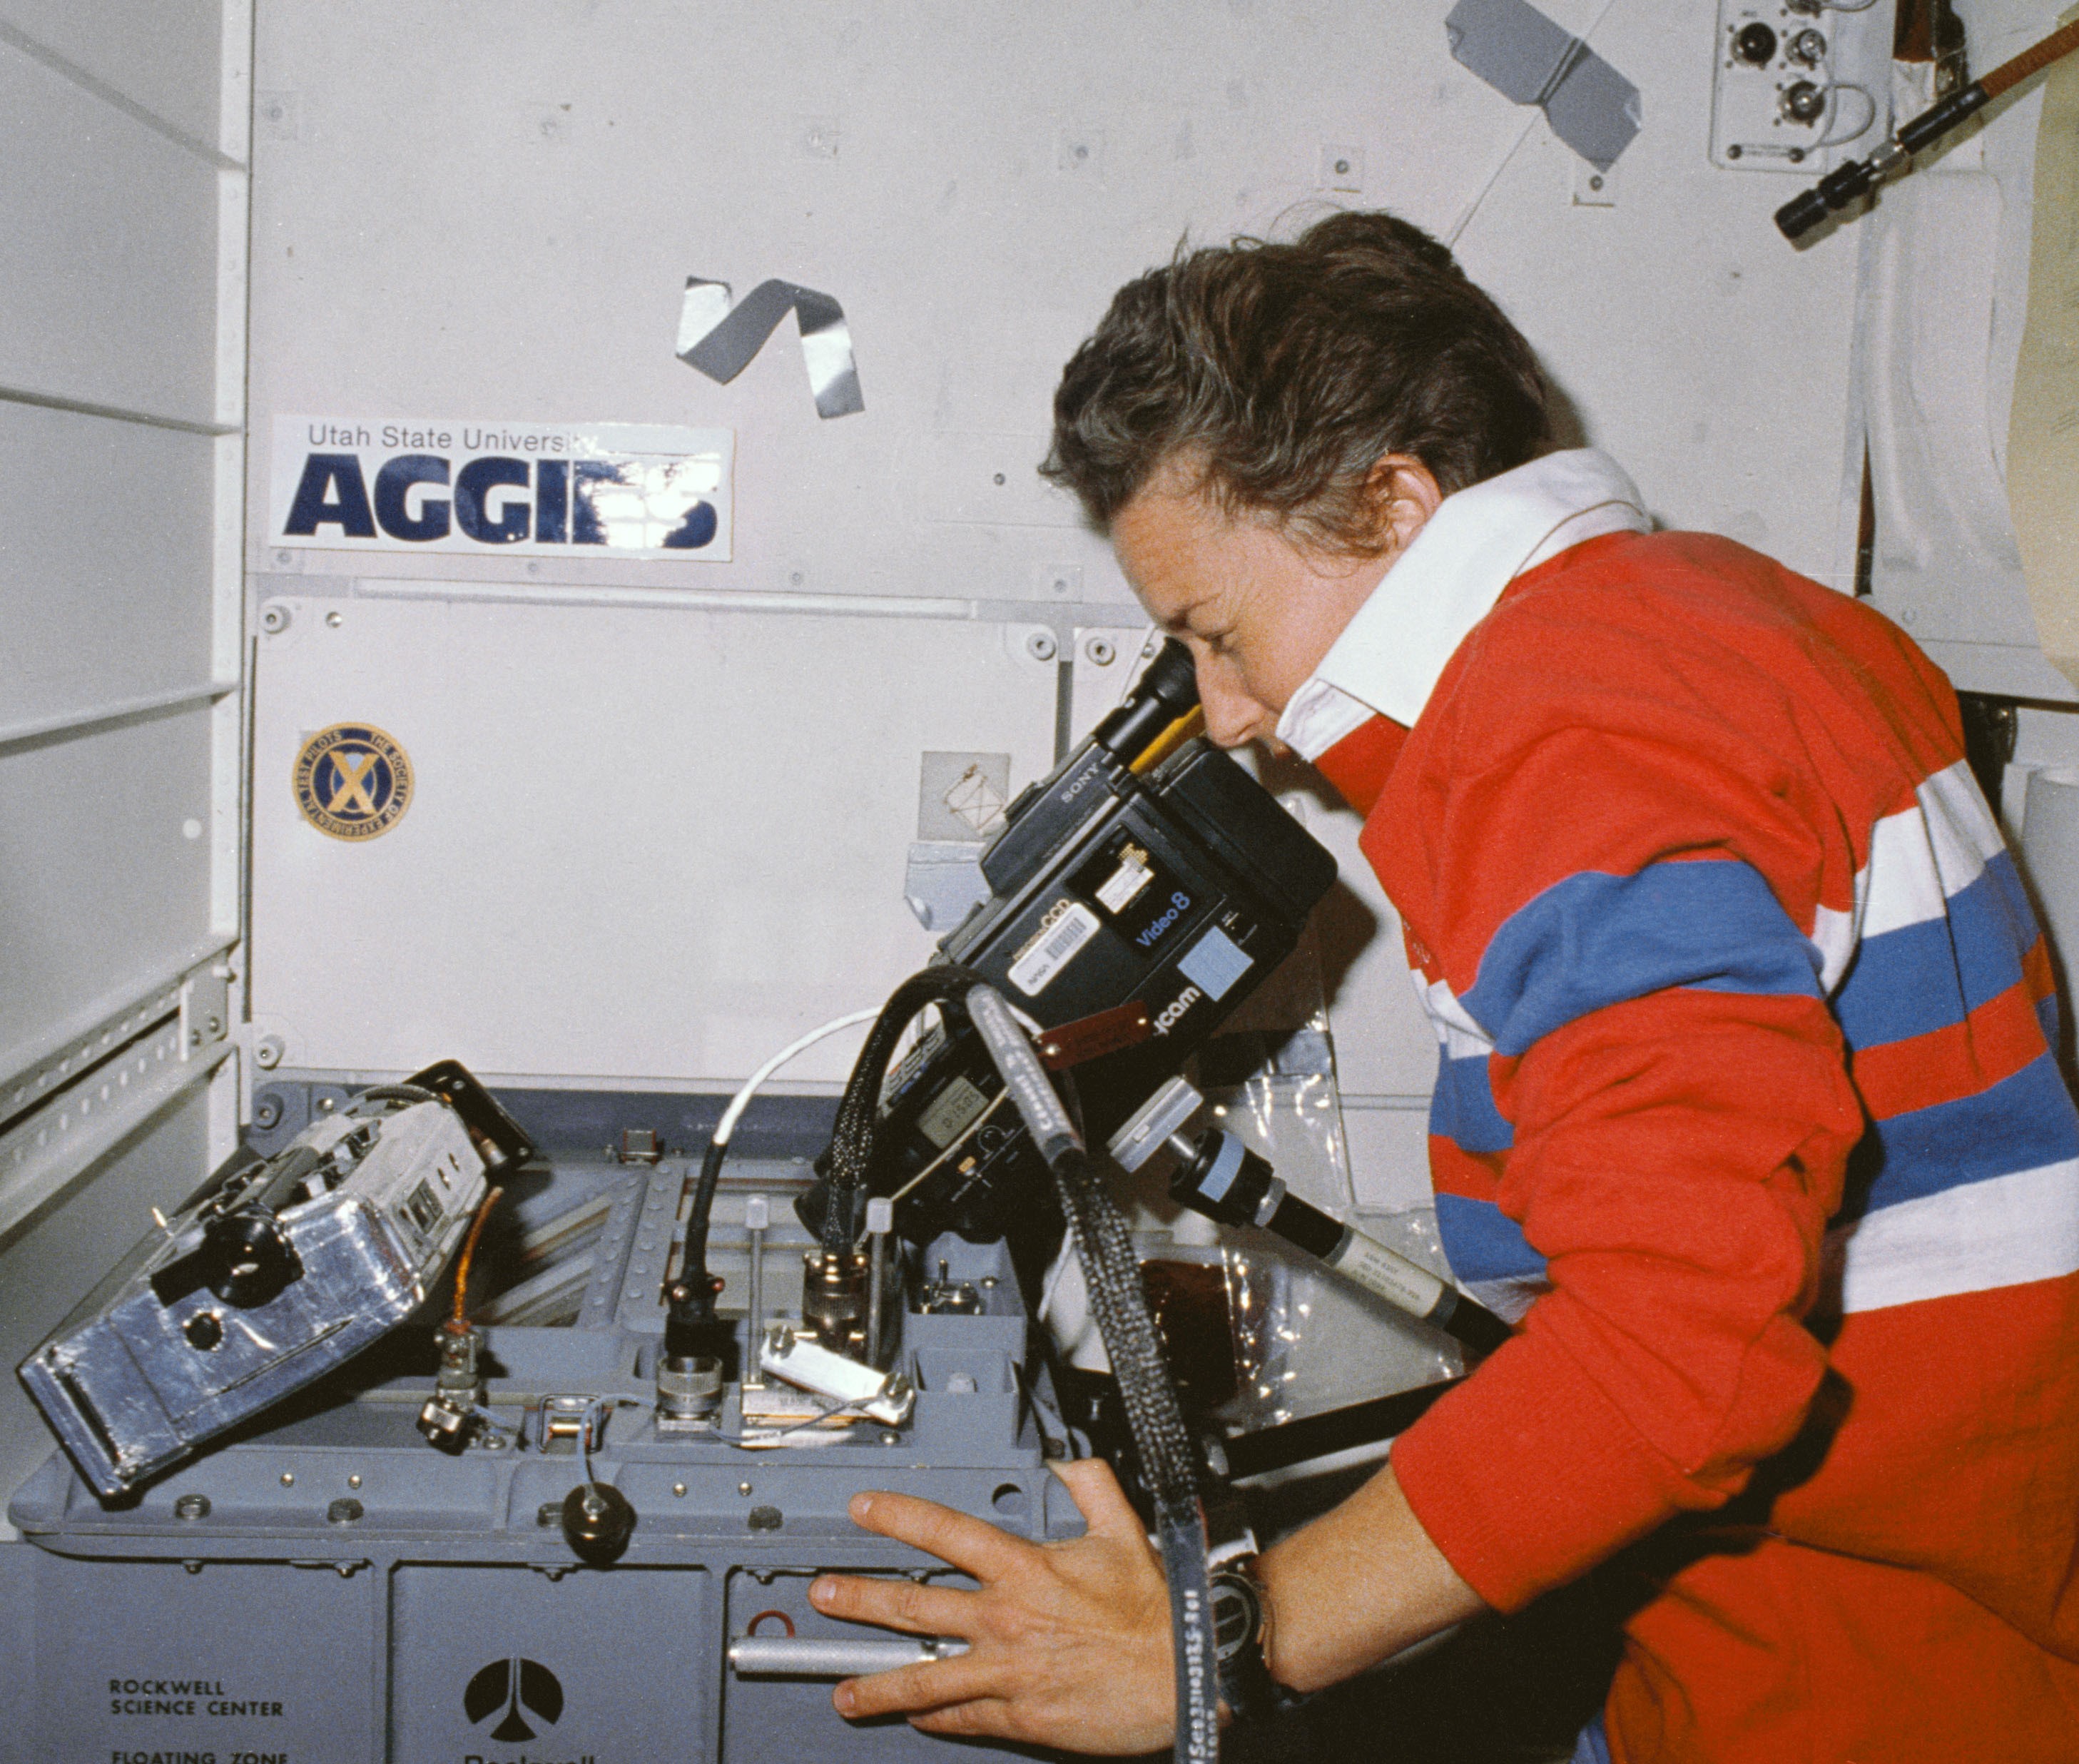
(1307, 1340)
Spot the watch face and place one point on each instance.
(1237, 1613)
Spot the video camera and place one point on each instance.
(1138, 895)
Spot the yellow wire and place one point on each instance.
(1192, 722)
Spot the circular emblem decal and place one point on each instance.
(352, 781)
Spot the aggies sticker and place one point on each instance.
(352, 781)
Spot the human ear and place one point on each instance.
(1404, 493)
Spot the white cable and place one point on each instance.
(741, 1101)
(1862, 129)
(1466, 217)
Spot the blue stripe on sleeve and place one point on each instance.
(1461, 1108)
(1596, 939)
(2022, 1123)
(1931, 975)
(1482, 1242)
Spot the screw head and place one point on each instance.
(1041, 647)
(766, 1519)
(191, 1506)
(267, 1112)
(335, 620)
(678, 1489)
(274, 619)
(346, 1510)
(1101, 651)
(354, 1481)
(743, 1488)
(288, 1479)
(268, 1053)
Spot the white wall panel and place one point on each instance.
(469, 209)
(161, 54)
(108, 284)
(104, 868)
(642, 844)
(104, 596)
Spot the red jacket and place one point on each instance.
(1747, 1089)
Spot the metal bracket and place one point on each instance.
(205, 1014)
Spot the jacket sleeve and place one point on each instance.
(1679, 1116)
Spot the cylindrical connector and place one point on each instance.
(757, 1220)
(448, 1420)
(831, 1657)
(688, 1390)
(1222, 1178)
(834, 1298)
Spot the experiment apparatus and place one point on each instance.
(523, 543)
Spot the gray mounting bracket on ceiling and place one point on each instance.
(722, 343)
(1527, 58)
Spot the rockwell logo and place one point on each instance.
(538, 490)
(514, 1690)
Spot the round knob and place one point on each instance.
(1803, 102)
(1754, 44)
(597, 1522)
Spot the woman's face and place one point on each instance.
(1256, 610)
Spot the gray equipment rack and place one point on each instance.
(328, 1589)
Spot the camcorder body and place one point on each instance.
(1149, 870)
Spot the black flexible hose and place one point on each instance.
(1168, 1459)
(691, 1296)
(858, 1111)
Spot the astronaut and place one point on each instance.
(1747, 1111)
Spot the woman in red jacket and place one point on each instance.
(1747, 1107)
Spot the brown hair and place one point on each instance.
(1283, 373)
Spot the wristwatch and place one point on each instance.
(1241, 1632)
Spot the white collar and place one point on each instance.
(1390, 656)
